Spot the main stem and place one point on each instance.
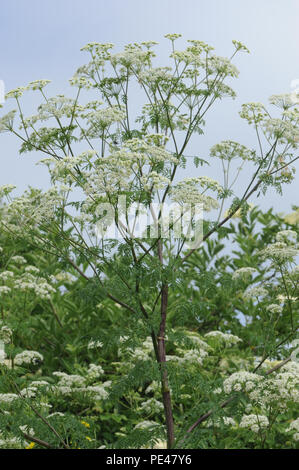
(164, 375)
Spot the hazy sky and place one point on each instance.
(42, 39)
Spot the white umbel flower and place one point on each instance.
(254, 422)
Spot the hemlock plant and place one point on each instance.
(150, 338)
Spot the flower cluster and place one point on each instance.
(226, 338)
(5, 334)
(187, 192)
(280, 252)
(28, 357)
(151, 406)
(242, 380)
(294, 428)
(279, 389)
(256, 423)
(244, 273)
(229, 150)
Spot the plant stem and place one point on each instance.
(164, 374)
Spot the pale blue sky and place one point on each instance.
(42, 39)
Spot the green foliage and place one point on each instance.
(204, 298)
